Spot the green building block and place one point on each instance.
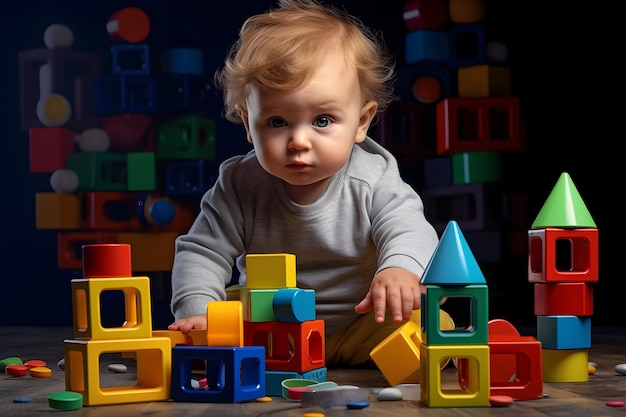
(564, 208)
(258, 304)
(189, 137)
(141, 169)
(99, 171)
(477, 332)
(478, 166)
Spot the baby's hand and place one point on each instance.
(187, 324)
(395, 289)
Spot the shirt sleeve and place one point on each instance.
(402, 235)
(204, 259)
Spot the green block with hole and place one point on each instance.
(99, 171)
(478, 166)
(188, 137)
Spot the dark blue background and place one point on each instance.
(562, 70)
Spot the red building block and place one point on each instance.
(70, 244)
(478, 124)
(515, 362)
(297, 347)
(129, 131)
(407, 130)
(563, 255)
(564, 299)
(111, 210)
(49, 148)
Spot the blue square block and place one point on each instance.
(427, 46)
(467, 45)
(564, 332)
(125, 94)
(189, 177)
(130, 59)
(234, 374)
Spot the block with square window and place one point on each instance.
(233, 374)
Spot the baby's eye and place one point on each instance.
(277, 122)
(322, 121)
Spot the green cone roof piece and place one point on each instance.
(453, 263)
(564, 208)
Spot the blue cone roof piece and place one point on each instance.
(453, 263)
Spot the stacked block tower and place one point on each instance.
(129, 153)
(451, 273)
(457, 130)
(281, 317)
(563, 267)
(107, 267)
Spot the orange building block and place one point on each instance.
(57, 211)
(479, 124)
(195, 337)
(152, 251)
(563, 255)
(297, 347)
(484, 81)
(564, 299)
(225, 324)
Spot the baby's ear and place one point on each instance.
(368, 112)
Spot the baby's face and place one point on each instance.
(305, 136)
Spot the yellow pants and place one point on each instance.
(352, 347)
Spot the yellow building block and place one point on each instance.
(86, 306)
(403, 343)
(567, 365)
(195, 337)
(466, 11)
(154, 369)
(269, 271)
(152, 251)
(484, 81)
(474, 392)
(224, 324)
(57, 211)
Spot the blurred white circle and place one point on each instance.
(58, 36)
(94, 140)
(64, 181)
(497, 52)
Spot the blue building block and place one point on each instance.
(183, 92)
(407, 74)
(189, 177)
(564, 332)
(125, 94)
(130, 59)
(294, 305)
(182, 61)
(234, 374)
(273, 379)
(427, 46)
(467, 45)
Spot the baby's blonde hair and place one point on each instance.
(280, 50)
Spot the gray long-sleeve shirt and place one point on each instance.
(367, 220)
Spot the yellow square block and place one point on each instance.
(224, 324)
(86, 306)
(403, 343)
(474, 392)
(57, 211)
(270, 271)
(154, 369)
(567, 365)
(484, 81)
(152, 252)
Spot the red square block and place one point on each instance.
(478, 124)
(49, 148)
(564, 299)
(563, 255)
(297, 347)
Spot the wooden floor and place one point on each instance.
(585, 399)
